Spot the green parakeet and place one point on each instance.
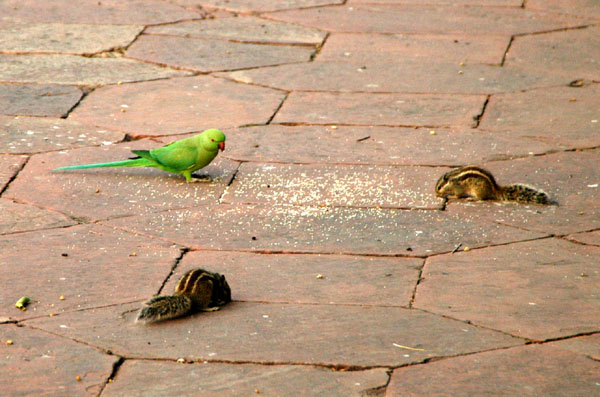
(180, 157)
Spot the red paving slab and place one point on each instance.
(141, 378)
(242, 28)
(210, 55)
(38, 363)
(71, 69)
(177, 106)
(408, 76)
(369, 231)
(573, 52)
(9, 166)
(568, 115)
(36, 135)
(539, 290)
(491, 3)
(524, 371)
(337, 186)
(256, 5)
(102, 267)
(419, 19)
(38, 100)
(588, 8)
(378, 145)
(591, 238)
(114, 192)
(15, 217)
(362, 48)
(105, 12)
(586, 345)
(380, 109)
(65, 38)
(280, 333)
(260, 277)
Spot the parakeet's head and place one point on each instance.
(213, 140)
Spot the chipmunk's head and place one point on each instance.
(221, 292)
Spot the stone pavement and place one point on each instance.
(349, 276)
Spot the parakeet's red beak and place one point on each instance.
(222, 146)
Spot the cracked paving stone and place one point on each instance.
(581, 7)
(281, 333)
(573, 52)
(347, 280)
(586, 345)
(9, 166)
(143, 378)
(570, 178)
(257, 5)
(569, 116)
(242, 28)
(417, 19)
(322, 230)
(65, 38)
(36, 135)
(38, 363)
(37, 100)
(16, 217)
(334, 185)
(408, 76)
(497, 3)
(532, 289)
(536, 370)
(177, 106)
(451, 49)
(591, 238)
(380, 109)
(89, 265)
(105, 12)
(209, 55)
(376, 145)
(71, 69)
(101, 193)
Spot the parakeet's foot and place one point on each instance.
(211, 309)
(202, 180)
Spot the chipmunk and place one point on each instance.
(196, 290)
(475, 183)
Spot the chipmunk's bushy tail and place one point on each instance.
(525, 194)
(164, 307)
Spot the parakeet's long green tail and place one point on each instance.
(139, 162)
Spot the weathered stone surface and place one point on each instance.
(142, 378)
(209, 55)
(539, 290)
(395, 49)
(9, 166)
(354, 280)
(65, 38)
(257, 5)
(419, 19)
(15, 217)
(574, 52)
(177, 106)
(566, 115)
(588, 8)
(592, 238)
(35, 135)
(37, 100)
(322, 229)
(497, 3)
(102, 267)
(276, 333)
(334, 185)
(71, 69)
(587, 345)
(409, 75)
(377, 145)
(242, 28)
(38, 363)
(105, 12)
(380, 109)
(113, 192)
(567, 177)
(537, 370)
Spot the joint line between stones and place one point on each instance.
(235, 172)
(419, 279)
(184, 251)
(285, 97)
(86, 91)
(17, 172)
(477, 118)
(510, 42)
(112, 375)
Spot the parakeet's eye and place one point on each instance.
(212, 140)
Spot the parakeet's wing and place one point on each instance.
(174, 156)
